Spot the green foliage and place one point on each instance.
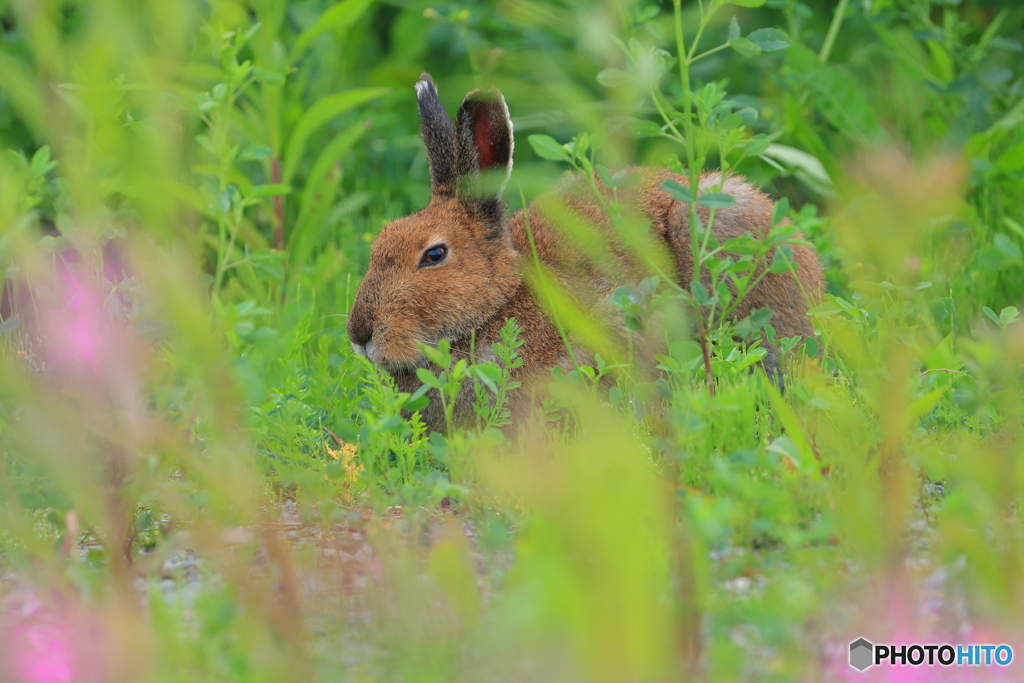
(199, 480)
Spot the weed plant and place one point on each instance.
(200, 481)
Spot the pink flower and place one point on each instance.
(42, 654)
(80, 331)
(47, 645)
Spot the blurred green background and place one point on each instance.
(198, 481)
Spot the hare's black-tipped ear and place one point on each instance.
(484, 141)
(438, 135)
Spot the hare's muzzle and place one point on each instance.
(377, 333)
(363, 349)
(360, 329)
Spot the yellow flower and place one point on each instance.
(348, 454)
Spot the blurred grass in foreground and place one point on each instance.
(198, 481)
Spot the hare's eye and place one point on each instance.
(435, 254)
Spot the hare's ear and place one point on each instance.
(483, 132)
(438, 135)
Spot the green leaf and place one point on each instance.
(678, 191)
(268, 77)
(700, 293)
(428, 378)
(730, 122)
(339, 16)
(55, 244)
(643, 128)
(1014, 226)
(1007, 246)
(787, 447)
(245, 37)
(272, 190)
(992, 29)
(750, 117)
(746, 3)
(317, 194)
(943, 309)
(744, 244)
(716, 200)
(922, 405)
(41, 164)
(794, 430)
(686, 351)
(325, 109)
(611, 78)
(1008, 315)
(770, 39)
(843, 103)
(757, 146)
(811, 347)
(625, 179)
(22, 92)
(267, 256)
(268, 263)
(32, 500)
(808, 163)
(783, 261)
(255, 153)
(489, 374)
(992, 258)
(760, 317)
(418, 399)
(990, 313)
(270, 271)
(1010, 161)
(745, 47)
(751, 357)
(649, 285)
(547, 148)
(780, 211)
(439, 355)
(734, 29)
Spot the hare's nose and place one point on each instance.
(360, 335)
(362, 340)
(360, 329)
(362, 349)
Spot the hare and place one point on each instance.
(455, 270)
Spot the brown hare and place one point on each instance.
(455, 270)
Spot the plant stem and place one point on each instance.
(705, 352)
(706, 53)
(694, 174)
(691, 162)
(275, 177)
(474, 66)
(833, 31)
(696, 39)
(664, 115)
(542, 283)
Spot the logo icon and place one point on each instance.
(861, 654)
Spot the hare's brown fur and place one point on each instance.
(468, 296)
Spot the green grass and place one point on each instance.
(199, 481)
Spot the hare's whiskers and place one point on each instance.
(453, 351)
